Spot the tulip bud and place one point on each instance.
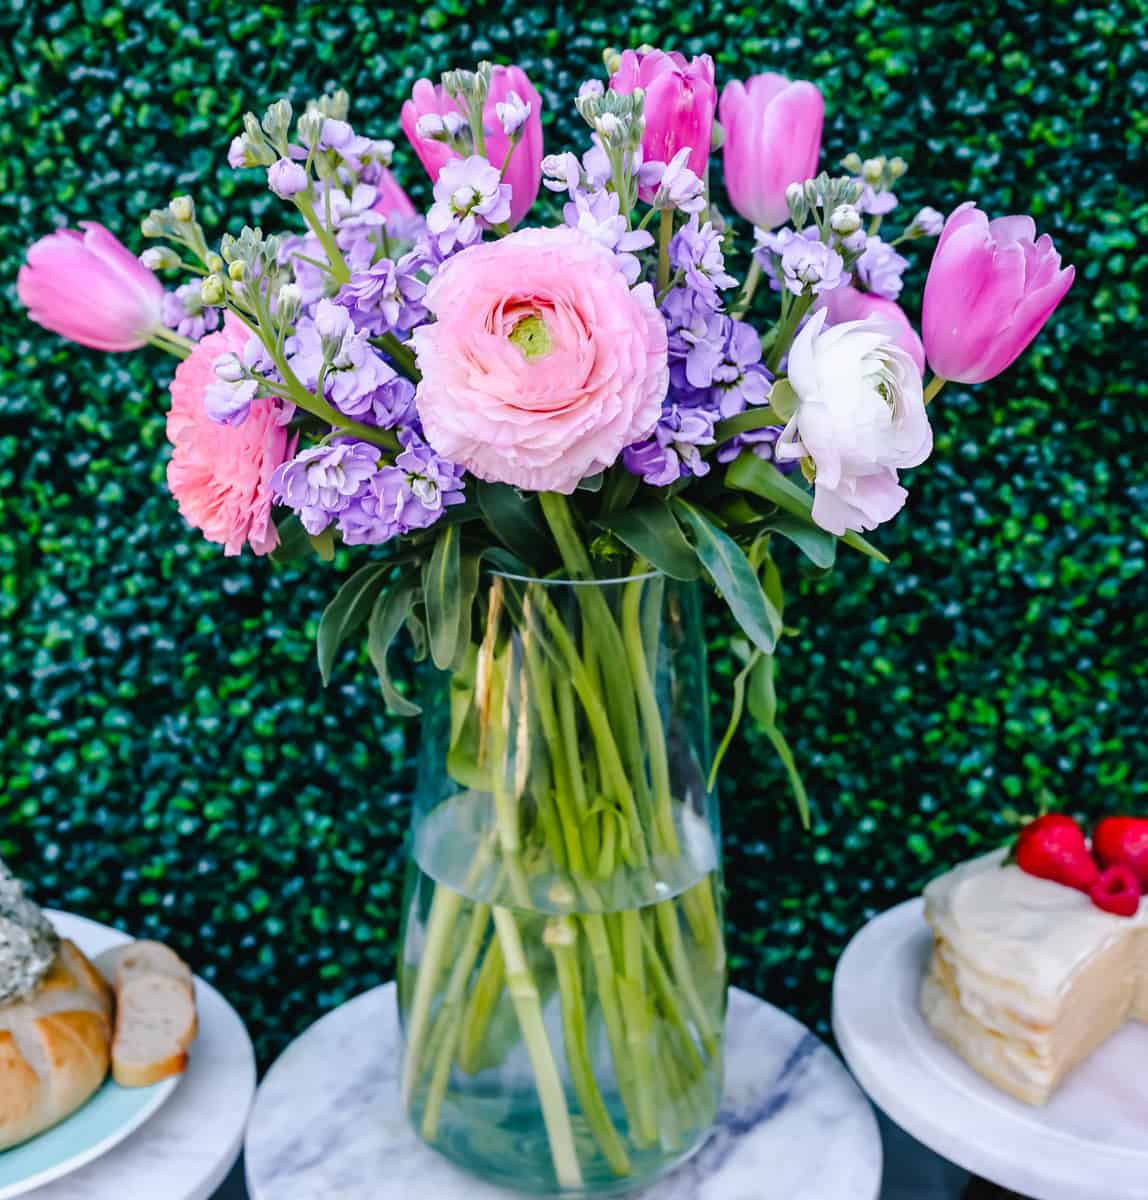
(183, 209)
(212, 291)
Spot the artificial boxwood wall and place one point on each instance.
(168, 759)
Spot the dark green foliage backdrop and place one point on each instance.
(169, 760)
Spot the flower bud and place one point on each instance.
(183, 209)
(228, 368)
(235, 271)
(795, 195)
(430, 125)
(872, 169)
(288, 302)
(287, 178)
(852, 163)
(927, 223)
(897, 167)
(214, 263)
(592, 89)
(212, 291)
(159, 258)
(611, 60)
(311, 127)
(151, 226)
(845, 220)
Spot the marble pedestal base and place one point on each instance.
(328, 1123)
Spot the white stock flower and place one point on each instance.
(860, 417)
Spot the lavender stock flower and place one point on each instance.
(599, 216)
(673, 450)
(696, 251)
(320, 483)
(880, 268)
(799, 261)
(469, 197)
(183, 310)
(384, 298)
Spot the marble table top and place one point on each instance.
(328, 1125)
(186, 1150)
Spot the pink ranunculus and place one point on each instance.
(220, 475)
(991, 287)
(681, 98)
(390, 199)
(542, 363)
(772, 138)
(524, 173)
(90, 288)
(848, 304)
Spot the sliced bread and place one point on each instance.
(155, 1014)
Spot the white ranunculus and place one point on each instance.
(860, 417)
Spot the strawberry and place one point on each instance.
(1053, 847)
(1117, 892)
(1123, 841)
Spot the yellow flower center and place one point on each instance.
(532, 337)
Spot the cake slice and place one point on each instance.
(1028, 977)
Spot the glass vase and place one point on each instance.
(562, 975)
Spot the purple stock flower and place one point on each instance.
(469, 197)
(383, 298)
(412, 494)
(287, 178)
(927, 223)
(876, 204)
(800, 261)
(356, 379)
(321, 482)
(696, 251)
(673, 450)
(675, 185)
(183, 310)
(880, 268)
(598, 216)
(761, 442)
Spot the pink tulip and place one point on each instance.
(524, 174)
(772, 139)
(390, 199)
(991, 287)
(848, 304)
(680, 101)
(90, 288)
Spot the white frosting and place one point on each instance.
(1015, 941)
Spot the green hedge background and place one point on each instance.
(169, 760)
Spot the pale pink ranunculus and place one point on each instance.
(220, 475)
(524, 172)
(680, 100)
(860, 417)
(91, 289)
(991, 287)
(848, 304)
(542, 363)
(772, 133)
(390, 199)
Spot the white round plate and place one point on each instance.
(110, 1116)
(1089, 1143)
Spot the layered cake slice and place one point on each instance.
(1029, 976)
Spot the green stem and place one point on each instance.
(745, 298)
(528, 1007)
(639, 1025)
(683, 975)
(752, 418)
(336, 263)
(788, 328)
(173, 343)
(665, 234)
(449, 1019)
(561, 936)
(934, 386)
(400, 354)
(480, 1006)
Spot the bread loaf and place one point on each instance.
(54, 1047)
(155, 1013)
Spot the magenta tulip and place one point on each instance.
(991, 287)
(681, 98)
(848, 304)
(91, 289)
(772, 139)
(524, 172)
(390, 199)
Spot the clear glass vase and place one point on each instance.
(562, 973)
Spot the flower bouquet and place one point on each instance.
(553, 432)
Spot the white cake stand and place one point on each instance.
(1089, 1143)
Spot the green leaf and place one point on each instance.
(781, 746)
(294, 540)
(817, 544)
(592, 483)
(752, 474)
(346, 613)
(324, 544)
(442, 590)
(734, 578)
(761, 700)
(652, 532)
(513, 518)
(389, 613)
(771, 582)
